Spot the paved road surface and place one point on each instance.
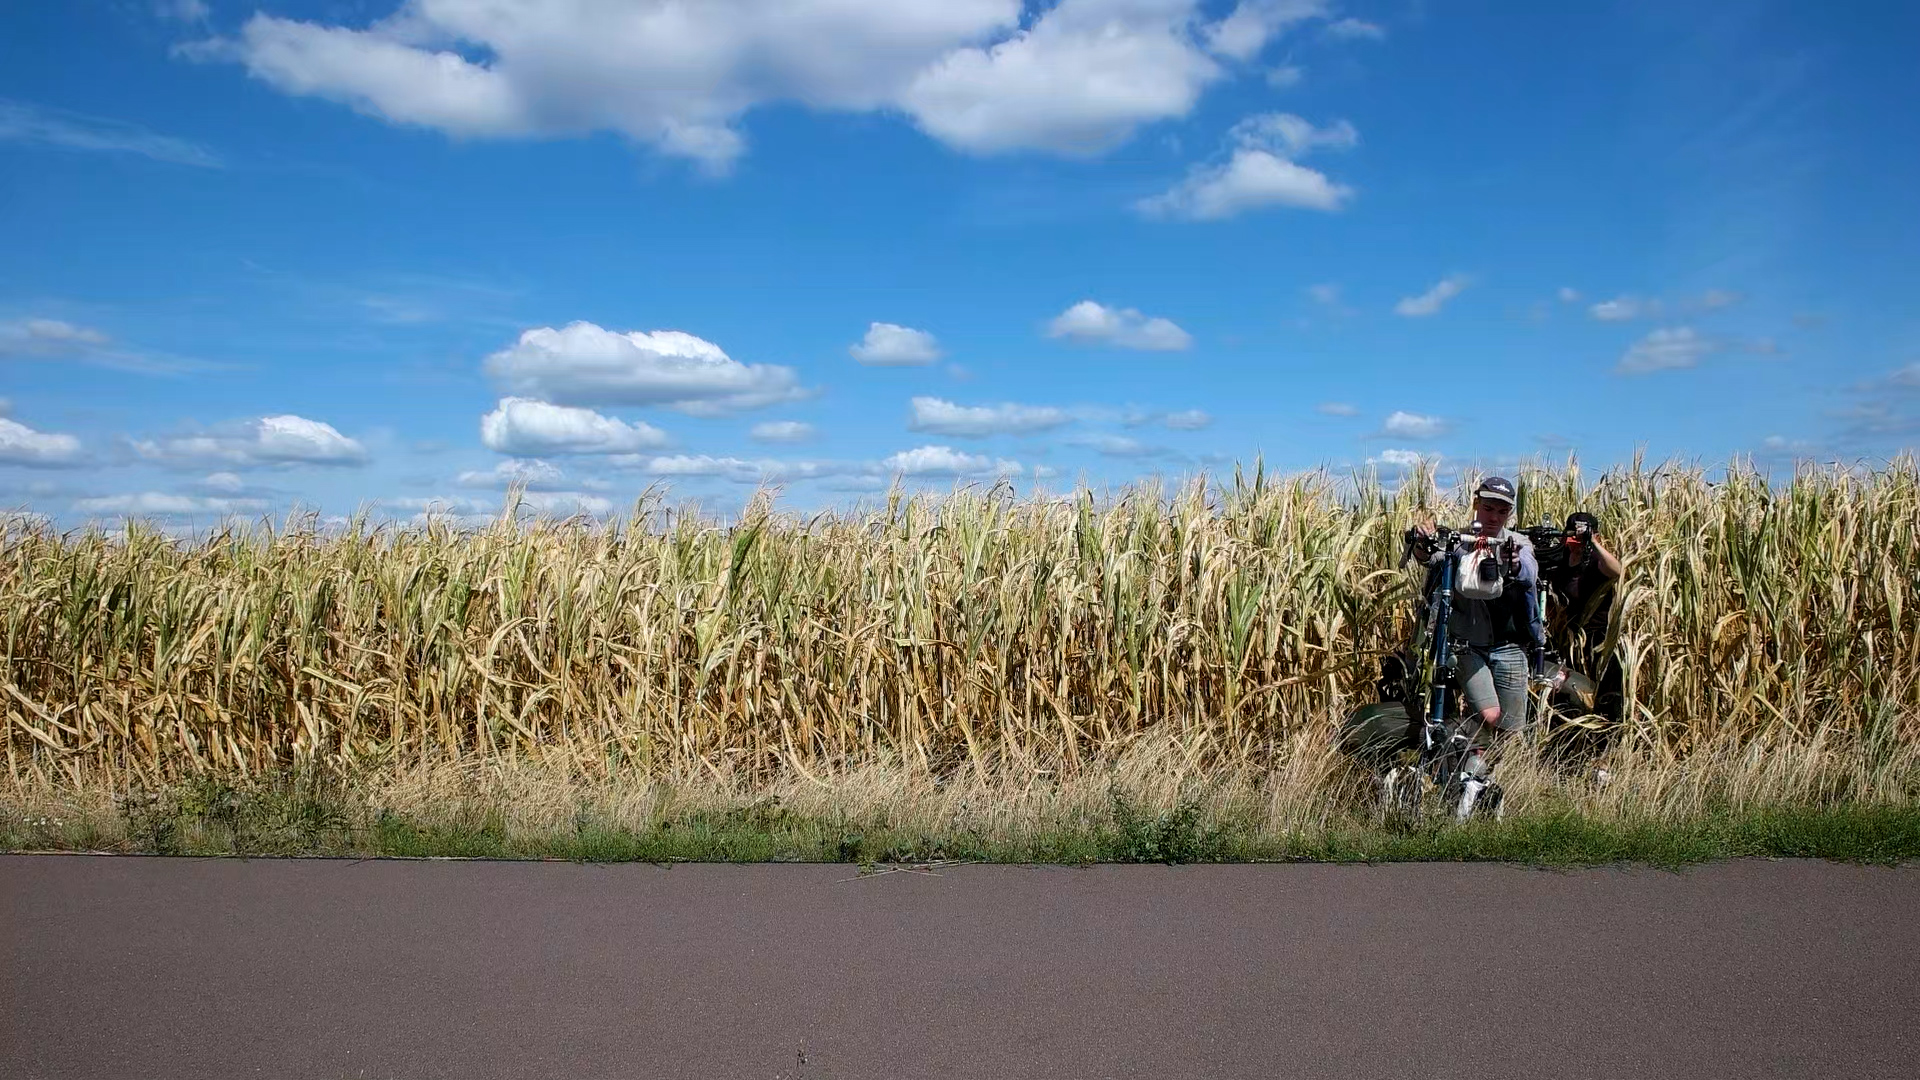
(152, 968)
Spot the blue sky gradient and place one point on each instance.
(1117, 238)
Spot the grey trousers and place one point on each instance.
(1496, 675)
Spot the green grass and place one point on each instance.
(284, 818)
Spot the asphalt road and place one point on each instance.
(156, 968)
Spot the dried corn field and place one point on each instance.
(1226, 625)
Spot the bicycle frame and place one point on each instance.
(1442, 750)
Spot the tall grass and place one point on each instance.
(1224, 627)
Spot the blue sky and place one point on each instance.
(389, 254)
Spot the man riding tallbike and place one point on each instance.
(1496, 626)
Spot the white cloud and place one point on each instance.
(582, 364)
(162, 504)
(782, 431)
(1398, 459)
(1116, 445)
(1336, 408)
(1624, 309)
(223, 481)
(566, 503)
(1781, 446)
(443, 504)
(1431, 301)
(525, 426)
(192, 11)
(47, 337)
(1327, 295)
(1355, 30)
(946, 461)
(1259, 172)
(889, 345)
(270, 440)
(22, 445)
(469, 511)
(1127, 328)
(1080, 81)
(1079, 77)
(1253, 23)
(741, 470)
(1286, 76)
(1628, 308)
(22, 122)
(56, 339)
(938, 417)
(1666, 350)
(533, 473)
(1044, 472)
(1189, 420)
(1884, 412)
(1569, 295)
(1408, 425)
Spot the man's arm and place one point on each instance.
(1609, 565)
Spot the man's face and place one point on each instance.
(1491, 512)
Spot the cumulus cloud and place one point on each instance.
(1569, 295)
(527, 426)
(1253, 23)
(1665, 350)
(1885, 411)
(1188, 420)
(270, 440)
(584, 365)
(223, 481)
(1408, 425)
(889, 345)
(1080, 81)
(1286, 76)
(468, 511)
(1126, 328)
(1336, 408)
(442, 504)
(1259, 171)
(782, 431)
(48, 337)
(1398, 459)
(1116, 445)
(1431, 301)
(1627, 308)
(22, 445)
(743, 470)
(566, 503)
(57, 339)
(1355, 30)
(23, 122)
(938, 417)
(946, 461)
(182, 10)
(162, 504)
(986, 76)
(533, 474)
(1624, 309)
